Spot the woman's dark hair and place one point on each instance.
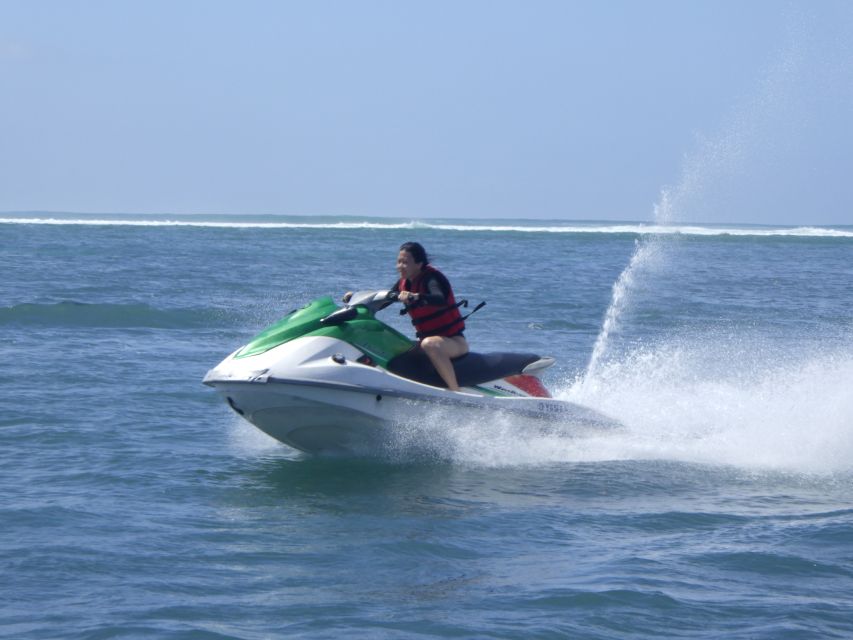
(418, 252)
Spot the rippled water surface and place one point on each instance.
(137, 505)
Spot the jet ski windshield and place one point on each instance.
(339, 317)
(373, 301)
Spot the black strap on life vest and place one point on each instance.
(461, 303)
(475, 310)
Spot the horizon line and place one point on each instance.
(414, 218)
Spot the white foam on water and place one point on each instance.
(490, 439)
(638, 228)
(709, 402)
(692, 402)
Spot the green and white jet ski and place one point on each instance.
(330, 379)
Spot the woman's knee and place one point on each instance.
(431, 344)
(447, 347)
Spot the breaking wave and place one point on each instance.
(533, 226)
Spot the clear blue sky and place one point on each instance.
(576, 110)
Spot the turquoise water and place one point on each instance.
(137, 505)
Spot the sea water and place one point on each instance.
(136, 504)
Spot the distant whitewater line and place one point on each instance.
(531, 227)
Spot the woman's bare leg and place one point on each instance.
(440, 350)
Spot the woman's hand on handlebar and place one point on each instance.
(407, 297)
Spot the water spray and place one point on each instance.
(716, 161)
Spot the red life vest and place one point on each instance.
(433, 319)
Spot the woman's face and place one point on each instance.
(406, 265)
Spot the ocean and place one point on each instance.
(136, 504)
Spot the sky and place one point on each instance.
(737, 111)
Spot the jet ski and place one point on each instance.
(335, 379)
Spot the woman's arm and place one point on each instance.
(436, 294)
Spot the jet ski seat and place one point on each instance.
(471, 368)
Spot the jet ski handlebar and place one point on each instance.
(373, 300)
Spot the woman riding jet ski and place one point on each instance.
(336, 379)
(430, 302)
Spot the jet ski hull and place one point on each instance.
(310, 419)
(323, 418)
